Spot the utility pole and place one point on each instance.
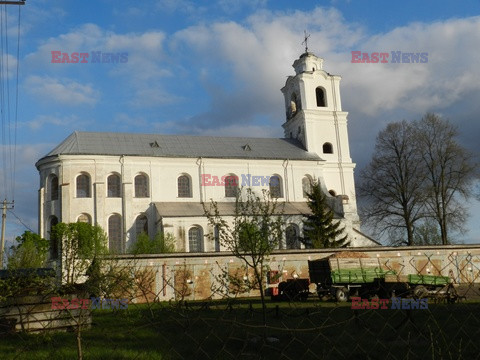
(4, 219)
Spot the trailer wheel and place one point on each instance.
(342, 295)
(420, 292)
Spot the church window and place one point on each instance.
(141, 225)
(84, 218)
(294, 106)
(292, 237)
(141, 186)
(53, 240)
(83, 186)
(275, 187)
(327, 148)
(115, 234)
(231, 185)
(53, 187)
(320, 94)
(113, 186)
(195, 239)
(184, 187)
(306, 185)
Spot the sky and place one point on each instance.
(216, 67)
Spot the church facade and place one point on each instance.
(134, 183)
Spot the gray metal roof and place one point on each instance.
(97, 143)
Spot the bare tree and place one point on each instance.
(392, 184)
(252, 234)
(450, 172)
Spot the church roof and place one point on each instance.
(103, 143)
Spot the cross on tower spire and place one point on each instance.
(305, 40)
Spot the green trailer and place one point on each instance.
(355, 274)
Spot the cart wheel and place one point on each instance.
(342, 295)
(420, 292)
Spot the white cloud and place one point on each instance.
(143, 69)
(255, 57)
(62, 91)
(41, 121)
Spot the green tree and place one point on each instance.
(319, 228)
(30, 252)
(254, 231)
(161, 244)
(87, 269)
(79, 244)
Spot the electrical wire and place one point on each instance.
(21, 222)
(9, 140)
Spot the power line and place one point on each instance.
(9, 167)
(21, 222)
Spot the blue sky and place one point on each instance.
(216, 68)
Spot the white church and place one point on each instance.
(133, 183)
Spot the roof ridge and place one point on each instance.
(183, 146)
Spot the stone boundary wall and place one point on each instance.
(35, 314)
(194, 276)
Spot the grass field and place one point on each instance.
(310, 330)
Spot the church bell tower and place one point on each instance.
(314, 116)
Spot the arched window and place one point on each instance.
(53, 240)
(141, 186)
(195, 237)
(275, 186)
(291, 233)
(85, 218)
(320, 93)
(115, 234)
(306, 185)
(113, 186)
(327, 148)
(53, 187)
(141, 225)
(231, 185)
(294, 106)
(83, 186)
(184, 186)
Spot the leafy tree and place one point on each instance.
(392, 184)
(31, 252)
(450, 173)
(251, 235)
(88, 270)
(161, 244)
(80, 243)
(320, 229)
